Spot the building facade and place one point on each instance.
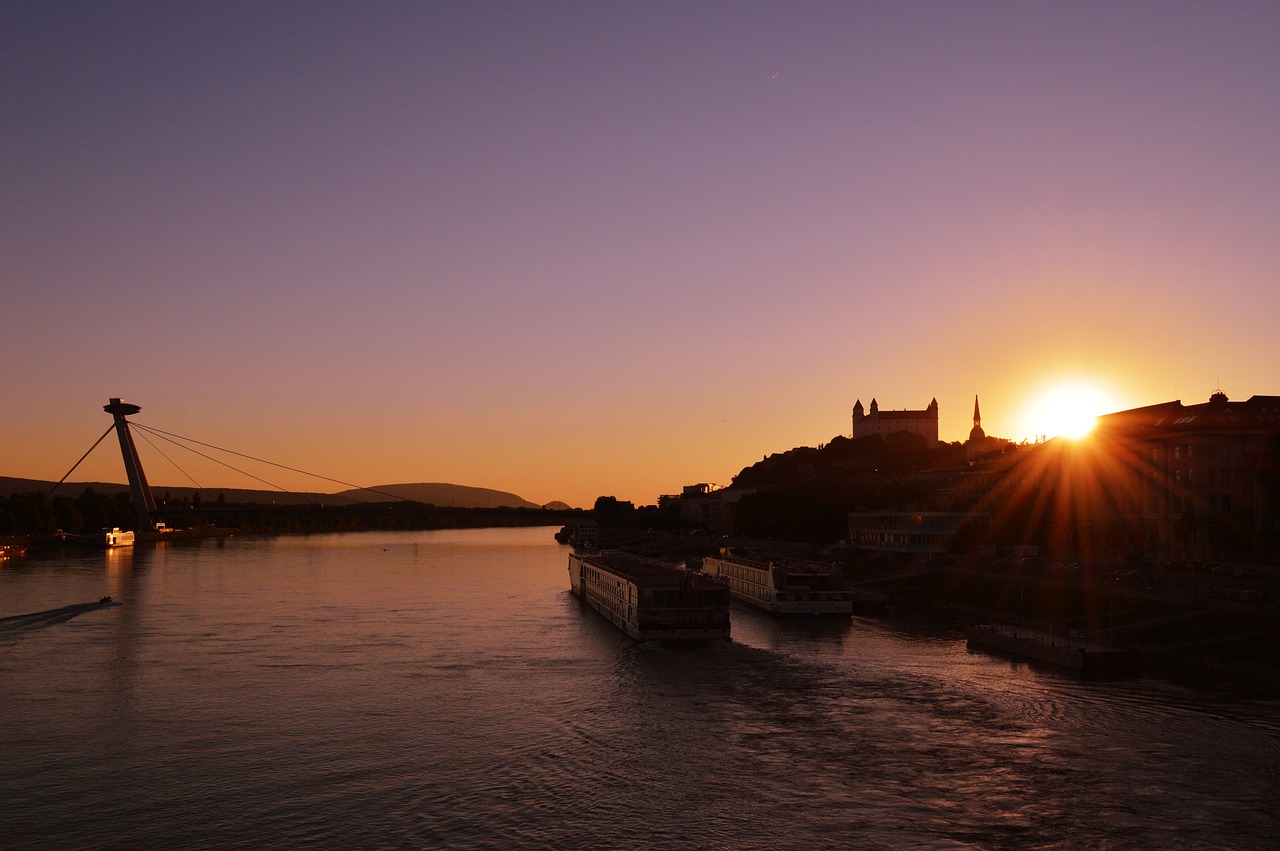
(1188, 482)
(911, 535)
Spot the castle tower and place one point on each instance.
(886, 423)
(143, 503)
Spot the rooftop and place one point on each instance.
(648, 572)
(1257, 413)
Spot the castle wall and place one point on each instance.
(885, 423)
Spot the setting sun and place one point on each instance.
(1067, 409)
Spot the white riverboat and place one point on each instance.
(116, 538)
(648, 599)
(782, 586)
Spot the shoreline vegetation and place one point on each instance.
(33, 520)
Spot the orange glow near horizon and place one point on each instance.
(1068, 408)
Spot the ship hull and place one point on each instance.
(649, 601)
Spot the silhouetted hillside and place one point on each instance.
(844, 458)
(432, 493)
(10, 485)
(440, 493)
(163, 494)
(807, 493)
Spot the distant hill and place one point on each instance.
(440, 493)
(434, 493)
(10, 486)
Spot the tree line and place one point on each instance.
(35, 515)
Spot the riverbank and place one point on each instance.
(37, 544)
(1171, 626)
(1178, 637)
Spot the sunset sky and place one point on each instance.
(573, 249)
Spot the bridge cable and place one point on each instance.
(157, 431)
(82, 457)
(162, 436)
(143, 435)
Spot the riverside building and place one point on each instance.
(1189, 482)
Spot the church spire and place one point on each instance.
(977, 437)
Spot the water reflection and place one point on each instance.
(433, 690)
(819, 634)
(120, 571)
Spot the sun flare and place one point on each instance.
(1067, 409)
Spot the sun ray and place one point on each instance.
(1067, 408)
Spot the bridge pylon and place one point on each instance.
(144, 504)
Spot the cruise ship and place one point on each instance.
(648, 599)
(782, 586)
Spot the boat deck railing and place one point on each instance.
(1050, 638)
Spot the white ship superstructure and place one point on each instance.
(114, 537)
(782, 586)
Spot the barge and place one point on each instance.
(649, 599)
(1071, 653)
(782, 586)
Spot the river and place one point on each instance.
(444, 690)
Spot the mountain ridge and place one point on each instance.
(442, 494)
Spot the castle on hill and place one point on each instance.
(924, 423)
(885, 423)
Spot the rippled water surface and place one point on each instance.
(444, 690)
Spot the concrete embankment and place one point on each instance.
(1194, 638)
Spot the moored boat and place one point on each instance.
(782, 586)
(116, 538)
(1069, 652)
(649, 599)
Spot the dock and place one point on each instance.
(1069, 652)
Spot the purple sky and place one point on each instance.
(570, 249)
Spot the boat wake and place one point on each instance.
(18, 624)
